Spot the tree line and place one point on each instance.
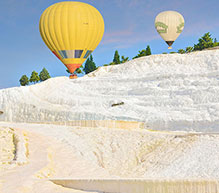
(117, 60)
(89, 66)
(34, 78)
(206, 41)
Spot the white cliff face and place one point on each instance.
(167, 92)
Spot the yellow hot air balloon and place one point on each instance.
(71, 30)
(169, 24)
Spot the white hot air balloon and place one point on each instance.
(169, 24)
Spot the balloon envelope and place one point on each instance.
(71, 30)
(169, 24)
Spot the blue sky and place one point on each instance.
(129, 27)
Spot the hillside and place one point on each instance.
(167, 92)
(83, 152)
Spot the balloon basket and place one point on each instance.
(73, 76)
(170, 48)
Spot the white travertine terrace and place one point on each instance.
(167, 92)
(66, 152)
(72, 130)
(7, 146)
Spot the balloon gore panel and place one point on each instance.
(70, 53)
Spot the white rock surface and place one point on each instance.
(167, 92)
(63, 152)
(7, 146)
(13, 148)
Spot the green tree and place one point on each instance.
(216, 43)
(148, 51)
(34, 77)
(24, 80)
(189, 49)
(89, 66)
(181, 51)
(140, 54)
(116, 58)
(79, 70)
(145, 52)
(111, 63)
(204, 42)
(44, 75)
(124, 59)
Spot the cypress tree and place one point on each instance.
(116, 58)
(148, 51)
(89, 66)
